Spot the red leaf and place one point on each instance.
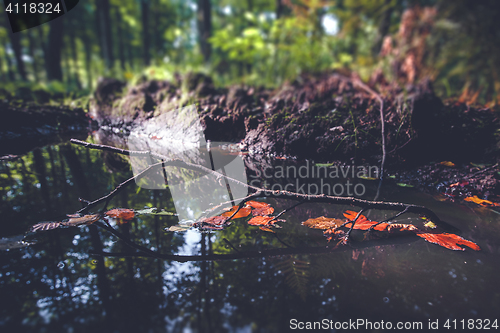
(121, 213)
(261, 220)
(449, 241)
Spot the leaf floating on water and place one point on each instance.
(153, 211)
(323, 223)
(447, 163)
(449, 241)
(243, 212)
(398, 227)
(257, 204)
(121, 213)
(84, 220)
(44, 226)
(261, 220)
(484, 203)
(179, 228)
(214, 220)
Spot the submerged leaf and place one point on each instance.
(323, 223)
(447, 163)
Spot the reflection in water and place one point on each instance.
(59, 284)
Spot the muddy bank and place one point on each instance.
(324, 118)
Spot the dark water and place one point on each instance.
(62, 284)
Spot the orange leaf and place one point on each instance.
(257, 204)
(261, 220)
(351, 215)
(362, 223)
(121, 213)
(243, 212)
(484, 203)
(449, 241)
(323, 223)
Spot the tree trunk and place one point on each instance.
(15, 40)
(74, 55)
(204, 20)
(145, 31)
(104, 24)
(32, 48)
(279, 8)
(87, 46)
(54, 49)
(119, 32)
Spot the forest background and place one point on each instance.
(454, 43)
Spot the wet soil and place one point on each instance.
(324, 118)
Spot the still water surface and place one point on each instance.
(62, 284)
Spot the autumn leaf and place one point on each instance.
(267, 229)
(264, 211)
(214, 220)
(449, 241)
(84, 220)
(323, 223)
(44, 226)
(243, 212)
(257, 204)
(397, 227)
(121, 213)
(484, 203)
(261, 220)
